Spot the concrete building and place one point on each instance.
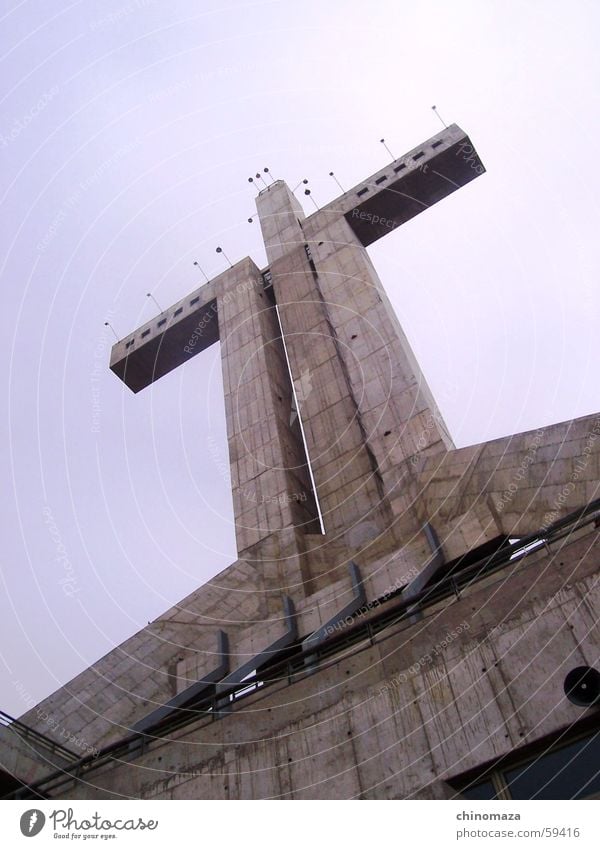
(403, 615)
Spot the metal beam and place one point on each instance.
(427, 572)
(192, 694)
(358, 600)
(232, 681)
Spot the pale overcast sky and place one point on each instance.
(127, 133)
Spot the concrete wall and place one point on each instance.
(478, 677)
(102, 703)
(511, 486)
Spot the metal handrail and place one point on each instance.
(28, 733)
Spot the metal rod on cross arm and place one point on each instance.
(307, 192)
(221, 251)
(439, 116)
(151, 296)
(331, 174)
(197, 264)
(108, 324)
(387, 148)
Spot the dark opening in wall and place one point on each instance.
(8, 783)
(482, 552)
(563, 765)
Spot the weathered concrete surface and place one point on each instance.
(27, 758)
(480, 676)
(168, 655)
(397, 717)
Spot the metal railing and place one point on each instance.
(36, 738)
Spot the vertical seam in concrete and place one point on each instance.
(370, 454)
(506, 691)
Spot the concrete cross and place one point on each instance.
(337, 437)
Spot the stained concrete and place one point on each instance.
(478, 675)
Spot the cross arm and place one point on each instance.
(405, 187)
(168, 340)
(189, 326)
